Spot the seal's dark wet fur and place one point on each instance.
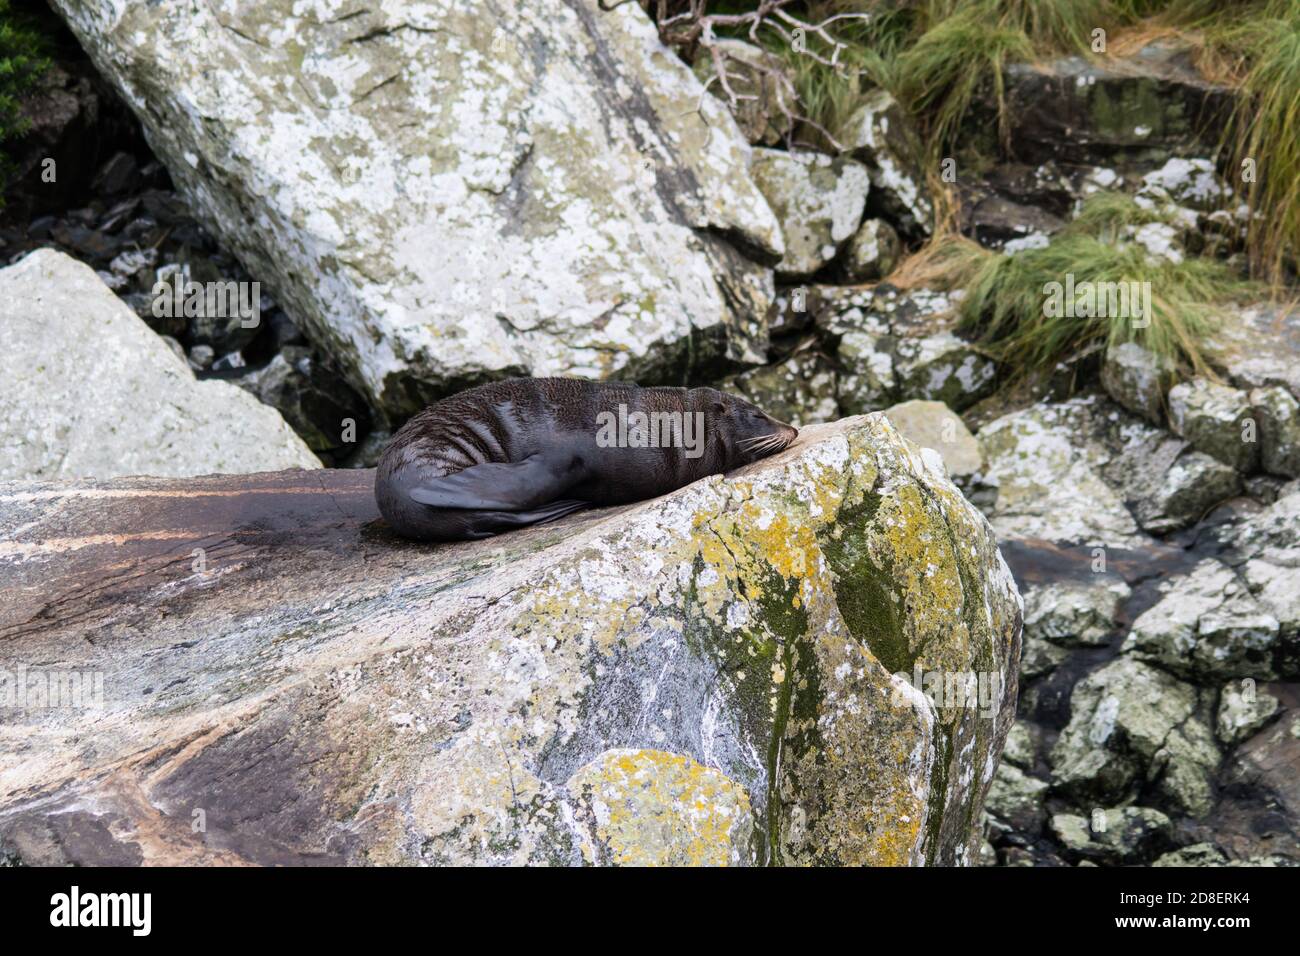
(524, 450)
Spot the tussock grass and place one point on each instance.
(1004, 307)
(1265, 132)
(940, 75)
(1063, 26)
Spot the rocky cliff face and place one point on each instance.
(722, 675)
(445, 192)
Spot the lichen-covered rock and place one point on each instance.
(1116, 835)
(1048, 481)
(1217, 419)
(895, 345)
(864, 346)
(721, 675)
(1208, 624)
(1133, 726)
(650, 808)
(1040, 657)
(880, 134)
(935, 425)
(1022, 745)
(1016, 798)
(1265, 548)
(1188, 183)
(440, 196)
(1258, 347)
(1243, 709)
(872, 252)
(762, 95)
(1136, 379)
(1186, 492)
(930, 360)
(1278, 415)
(800, 390)
(1198, 854)
(88, 390)
(1166, 484)
(818, 200)
(1075, 612)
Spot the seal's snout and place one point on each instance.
(785, 434)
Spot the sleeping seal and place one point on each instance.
(527, 450)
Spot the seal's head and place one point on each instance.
(744, 431)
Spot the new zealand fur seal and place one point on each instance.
(527, 450)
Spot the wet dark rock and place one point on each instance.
(41, 227)
(119, 215)
(992, 219)
(1136, 112)
(368, 450)
(87, 244)
(283, 331)
(120, 174)
(329, 415)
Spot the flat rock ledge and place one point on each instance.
(253, 670)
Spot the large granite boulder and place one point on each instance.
(88, 390)
(439, 196)
(722, 675)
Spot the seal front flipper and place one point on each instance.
(498, 486)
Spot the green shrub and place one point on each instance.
(21, 64)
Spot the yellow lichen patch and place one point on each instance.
(652, 808)
(917, 548)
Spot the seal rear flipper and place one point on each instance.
(484, 524)
(497, 486)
